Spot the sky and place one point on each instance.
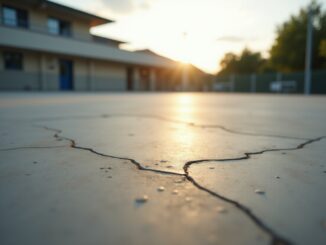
(196, 31)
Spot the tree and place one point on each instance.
(228, 64)
(246, 62)
(288, 51)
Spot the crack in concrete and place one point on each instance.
(276, 239)
(31, 147)
(248, 155)
(191, 124)
(197, 125)
(134, 162)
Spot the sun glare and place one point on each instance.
(184, 112)
(184, 107)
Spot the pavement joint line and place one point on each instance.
(191, 124)
(275, 238)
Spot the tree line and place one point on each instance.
(287, 53)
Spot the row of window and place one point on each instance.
(19, 18)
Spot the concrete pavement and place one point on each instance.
(235, 169)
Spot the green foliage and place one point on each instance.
(287, 54)
(288, 51)
(246, 62)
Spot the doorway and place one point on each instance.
(66, 74)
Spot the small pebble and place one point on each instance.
(211, 168)
(163, 161)
(258, 191)
(109, 177)
(35, 162)
(161, 188)
(175, 192)
(324, 171)
(169, 166)
(188, 199)
(277, 177)
(142, 199)
(221, 209)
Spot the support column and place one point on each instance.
(185, 78)
(90, 75)
(136, 79)
(152, 79)
(42, 84)
(309, 44)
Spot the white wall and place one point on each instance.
(41, 72)
(109, 76)
(26, 79)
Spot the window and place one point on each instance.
(59, 27)
(13, 60)
(14, 17)
(53, 26)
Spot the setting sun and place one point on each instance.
(212, 27)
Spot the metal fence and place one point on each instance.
(271, 83)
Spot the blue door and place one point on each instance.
(66, 74)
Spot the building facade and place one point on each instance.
(48, 46)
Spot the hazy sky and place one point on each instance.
(213, 27)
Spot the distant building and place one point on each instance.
(48, 46)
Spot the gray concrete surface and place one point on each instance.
(236, 169)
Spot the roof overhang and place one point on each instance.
(94, 20)
(106, 39)
(63, 10)
(29, 40)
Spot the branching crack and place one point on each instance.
(188, 123)
(276, 239)
(137, 164)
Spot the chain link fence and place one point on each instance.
(271, 83)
